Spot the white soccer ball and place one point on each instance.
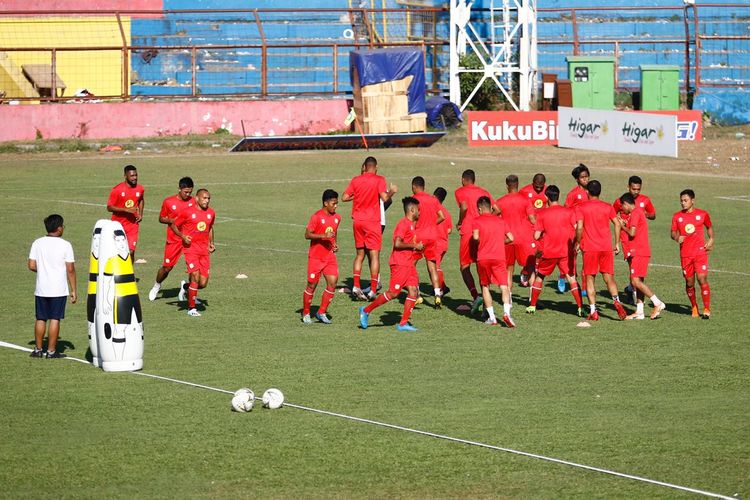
(243, 400)
(273, 398)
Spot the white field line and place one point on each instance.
(734, 198)
(426, 433)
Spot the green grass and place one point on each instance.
(668, 399)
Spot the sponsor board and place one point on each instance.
(618, 131)
(532, 128)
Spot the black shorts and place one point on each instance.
(50, 307)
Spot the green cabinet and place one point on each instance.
(660, 87)
(592, 81)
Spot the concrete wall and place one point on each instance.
(135, 119)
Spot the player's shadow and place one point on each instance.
(679, 309)
(62, 345)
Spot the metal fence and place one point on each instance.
(194, 54)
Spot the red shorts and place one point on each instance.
(697, 264)
(402, 276)
(131, 231)
(638, 265)
(467, 250)
(522, 253)
(325, 267)
(200, 263)
(492, 271)
(368, 234)
(546, 266)
(172, 252)
(441, 256)
(598, 262)
(431, 250)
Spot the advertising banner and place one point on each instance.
(618, 131)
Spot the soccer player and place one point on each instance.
(466, 198)
(637, 252)
(406, 252)
(195, 227)
(593, 237)
(126, 204)
(575, 197)
(322, 230)
(51, 258)
(536, 192)
(688, 226)
(170, 207)
(444, 230)
(431, 217)
(557, 225)
(365, 191)
(492, 234)
(518, 213)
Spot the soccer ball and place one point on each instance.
(273, 398)
(243, 400)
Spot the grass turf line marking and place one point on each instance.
(422, 433)
(734, 198)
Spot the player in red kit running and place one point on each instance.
(575, 197)
(637, 252)
(407, 250)
(170, 207)
(594, 238)
(444, 230)
(321, 230)
(431, 217)
(195, 227)
(126, 204)
(492, 234)
(365, 191)
(557, 225)
(536, 192)
(688, 230)
(466, 198)
(519, 215)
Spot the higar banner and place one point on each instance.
(618, 131)
(532, 128)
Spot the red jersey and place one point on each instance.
(407, 231)
(596, 215)
(557, 223)
(492, 230)
(642, 201)
(365, 190)
(170, 207)
(690, 225)
(444, 226)
(576, 196)
(428, 214)
(637, 245)
(515, 209)
(124, 196)
(469, 195)
(197, 224)
(321, 222)
(538, 200)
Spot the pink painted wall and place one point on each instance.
(57, 5)
(138, 119)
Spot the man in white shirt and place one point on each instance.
(51, 258)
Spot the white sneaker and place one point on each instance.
(154, 290)
(371, 295)
(358, 294)
(182, 296)
(193, 312)
(306, 319)
(635, 315)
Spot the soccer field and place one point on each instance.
(666, 400)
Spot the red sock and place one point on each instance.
(441, 279)
(356, 280)
(706, 294)
(307, 297)
(691, 295)
(192, 294)
(379, 301)
(328, 294)
(536, 290)
(374, 280)
(576, 294)
(408, 307)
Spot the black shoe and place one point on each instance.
(37, 353)
(55, 355)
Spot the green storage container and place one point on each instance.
(593, 81)
(660, 87)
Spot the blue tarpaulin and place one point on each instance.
(385, 65)
(442, 113)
